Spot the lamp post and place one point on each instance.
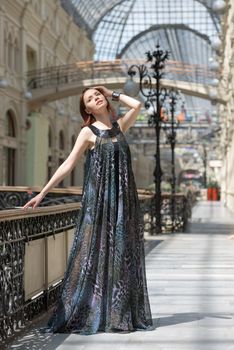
(170, 126)
(204, 159)
(150, 88)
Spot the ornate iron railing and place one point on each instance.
(13, 197)
(183, 211)
(19, 228)
(76, 72)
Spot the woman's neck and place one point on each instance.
(104, 119)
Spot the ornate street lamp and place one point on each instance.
(150, 78)
(204, 159)
(170, 125)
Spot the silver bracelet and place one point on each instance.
(115, 96)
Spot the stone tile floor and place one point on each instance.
(191, 288)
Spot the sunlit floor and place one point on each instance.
(191, 288)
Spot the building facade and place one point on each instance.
(35, 35)
(226, 111)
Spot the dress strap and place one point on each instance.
(94, 130)
(106, 132)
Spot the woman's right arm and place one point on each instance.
(65, 168)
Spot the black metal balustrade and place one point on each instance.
(20, 227)
(13, 197)
(76, 72)
(183, 205)
(181, 212)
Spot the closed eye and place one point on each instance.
(96, 94)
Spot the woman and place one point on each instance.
(104, 287)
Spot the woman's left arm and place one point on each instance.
(130, 117)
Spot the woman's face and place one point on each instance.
(94, 101)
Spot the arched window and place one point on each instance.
(31, 55)
(9, 149)
(16, 56)
(61, 140)
(10, 52)
(10, 124)
(5, 47)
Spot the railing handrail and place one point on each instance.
(19, 213)
(63, 190)
(14, 214)
(56, 74)
(111, 64)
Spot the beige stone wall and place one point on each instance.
(33, 35)
(227, 111)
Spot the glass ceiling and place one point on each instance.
(126, 29)
(185, 46)
(113, 24)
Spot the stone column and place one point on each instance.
(1, 138)
(22, 147)
(37, 150)
(2, 49)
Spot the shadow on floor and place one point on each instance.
(185, 318)
(35, 340)
(209, 228)
(151, 244)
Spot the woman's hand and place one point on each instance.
(34, 202)
(106, 92)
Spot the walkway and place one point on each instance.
(191, 288)
(54, 83)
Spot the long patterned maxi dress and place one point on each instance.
(104, 287)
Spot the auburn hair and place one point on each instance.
(89, 118)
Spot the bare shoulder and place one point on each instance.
(85, 132)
